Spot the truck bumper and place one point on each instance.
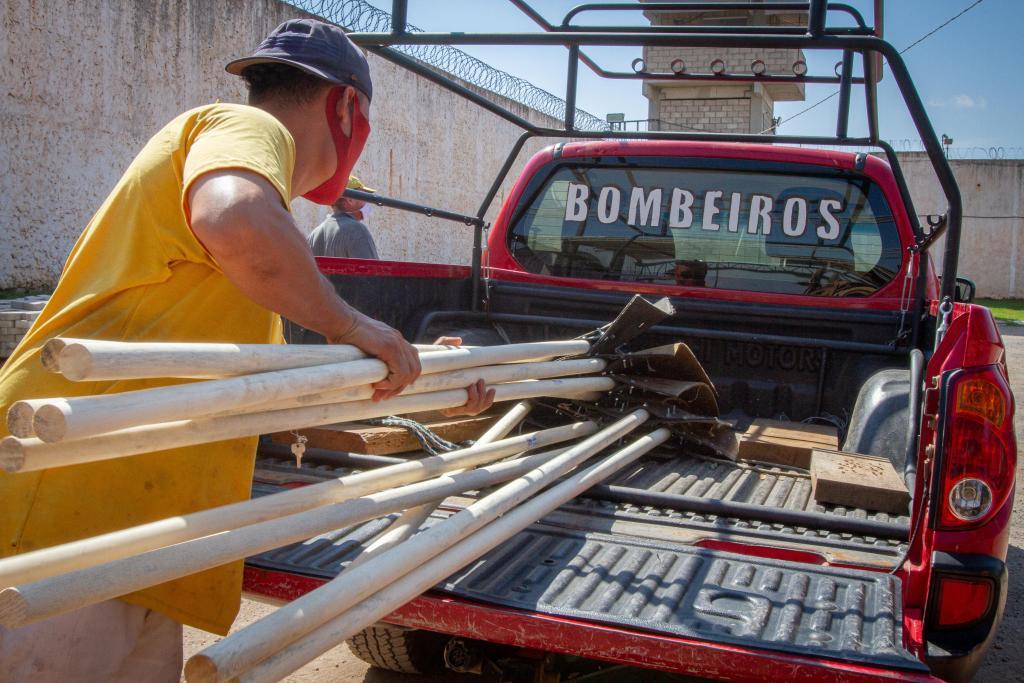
(955, 653)
(477, 621)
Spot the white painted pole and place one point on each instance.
(409, 522)
(65, 419)
(21, 413)
(26, 455)
(94, 360)
(31, 602)
(425, 576)
(242, 650)
(115, 545)
(509, 420)
(455, 379)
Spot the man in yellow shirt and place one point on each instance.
(195, 243)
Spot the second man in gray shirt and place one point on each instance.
(343, 234)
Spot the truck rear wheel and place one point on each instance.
(409, 651)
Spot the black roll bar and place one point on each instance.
(381, 200)
(536, 17)
(422, 69)
(399, 16)
(708, 6)
(477, 222)
(845, 85)
(725, 78)
(570, 88)
(817, 36)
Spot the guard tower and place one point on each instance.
(720, 107)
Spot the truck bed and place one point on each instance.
(682, 576)
(768, 586)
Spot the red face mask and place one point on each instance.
(347, 148)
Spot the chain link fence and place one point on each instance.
(358, 15)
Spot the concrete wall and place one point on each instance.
(84, 84)
(992, 242)
(717, 110)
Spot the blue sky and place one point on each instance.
(968, 74)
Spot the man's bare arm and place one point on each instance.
(239, 218)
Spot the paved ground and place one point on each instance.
(1005, 661)
(337, 666)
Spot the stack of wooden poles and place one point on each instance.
(248, 390)
(258, 389)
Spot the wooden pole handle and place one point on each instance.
(31, 602)
(287, 659)
(115, 545)
(244, 649)
(65, 419)
(92, 360)
(25, 455)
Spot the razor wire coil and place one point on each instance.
(360, 16)
(916, 146)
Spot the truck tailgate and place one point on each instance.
(642, 568)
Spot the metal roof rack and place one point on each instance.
(856, 38)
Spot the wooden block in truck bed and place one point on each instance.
(861, 481)
(355, 437)
(786, 443)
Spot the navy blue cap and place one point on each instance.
(317, 48)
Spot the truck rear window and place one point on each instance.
(820, 235)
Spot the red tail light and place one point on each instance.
(961, 601)
(980, 450)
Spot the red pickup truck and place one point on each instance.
(802, 281)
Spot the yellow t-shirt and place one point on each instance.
(138, 273)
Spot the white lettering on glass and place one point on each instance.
(760, 214)
(608, 204)
(647, 209)
(576, 202)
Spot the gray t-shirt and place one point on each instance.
(342, 236)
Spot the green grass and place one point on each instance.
(1004, 310)
(18, 292)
